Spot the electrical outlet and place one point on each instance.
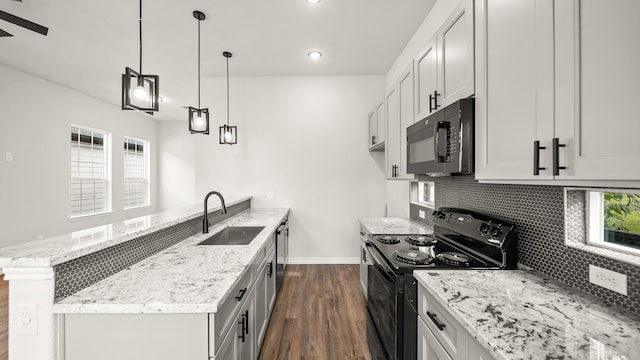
(27, 319)
(608, 279)
(421, 214)
(270, 194)
(8, 156)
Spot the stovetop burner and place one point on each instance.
(454, 259)
(413, 257)
(388, 239)
(422, 240)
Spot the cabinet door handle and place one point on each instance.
(434, 318)
(430, 103)
(241, 294)
(246, 316)
(244, 330)
(435, 100)
(270, 269)
(556, 156)
(536, 157)
(373, 139)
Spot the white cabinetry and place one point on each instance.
(377, 127)
(514, 98)
(265, 295)
(400, 115)
(445, 67)
(546, 73)
(442, 337)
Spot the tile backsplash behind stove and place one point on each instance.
(538, 212)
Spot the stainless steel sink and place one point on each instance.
(234, 235)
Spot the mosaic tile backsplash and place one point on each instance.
(538, 212)
(77, 274)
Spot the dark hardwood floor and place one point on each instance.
(320, 314)
(4, 319)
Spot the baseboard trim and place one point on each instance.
(310, 261)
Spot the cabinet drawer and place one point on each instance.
(452, 335)
(221, 321)
(428, 347)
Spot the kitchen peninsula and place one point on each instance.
(194, 281)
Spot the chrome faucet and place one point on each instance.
(205, 220)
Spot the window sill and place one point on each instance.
(90, 216)
(602, 251)
(424, 205)
(136, 208)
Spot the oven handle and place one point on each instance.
(381, 265)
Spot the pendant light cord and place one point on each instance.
(227, 91)
(140, 32)
(199, 64)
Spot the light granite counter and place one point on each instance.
(523, 315)
(58, 249)
(185, 278)
(394, 226)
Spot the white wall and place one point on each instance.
(176, 165)
(35, 120)
(398, 190)
(305, 140)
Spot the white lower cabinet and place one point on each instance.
(440, 336)
(428, 347)
(265, 296)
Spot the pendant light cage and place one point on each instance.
(228, 134)
(140, 91)
(199, 117)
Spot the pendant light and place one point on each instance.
(199, 117)
(139, 91)
(228, 134)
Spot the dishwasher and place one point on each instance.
(282, 252)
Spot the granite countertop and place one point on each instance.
(518, 314)
(394, 226)
(185, 278)
(62, 248)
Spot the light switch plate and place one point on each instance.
(270, 194)
(8, 156)
(608, 279)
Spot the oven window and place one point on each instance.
(422, 150)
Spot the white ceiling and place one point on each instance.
(91, 41)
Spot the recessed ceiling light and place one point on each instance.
(313, 1)
(314, 55)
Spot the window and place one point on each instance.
(136, 173)
(426, 194)
(90, 186)
(614, 220)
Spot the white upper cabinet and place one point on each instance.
(426, 80)
(456, 55)
(399, 112)
(556, 84)
(445, 67)
(597, 87)
(514, 95)
(392, 145)
(377, 127)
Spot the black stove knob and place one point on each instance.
(439, 214)
(484, 228)
(496, 231)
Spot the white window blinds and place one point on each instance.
(89, 172)
(136, 170)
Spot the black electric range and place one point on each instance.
(461, 239)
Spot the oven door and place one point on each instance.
(383, 289)
(427, 145)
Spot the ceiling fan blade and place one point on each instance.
(23, 23)
(4, 33)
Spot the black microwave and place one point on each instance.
(442, 143)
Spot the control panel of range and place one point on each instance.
(477, 226)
